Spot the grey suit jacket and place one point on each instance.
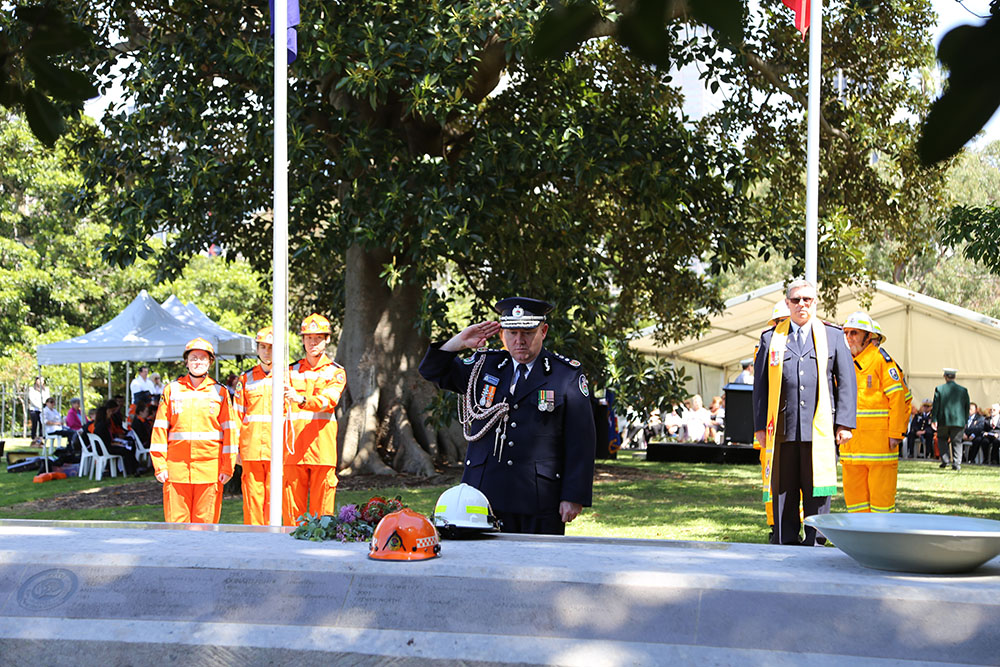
(799, 384)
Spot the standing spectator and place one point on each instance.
(194, 441)
(142, 425)
(141, 387)
(38, 393)
(949, 413)
(972, 438)
(156, 388)
(74, 418)
(805, 402)
(232, 382)
(746, 375)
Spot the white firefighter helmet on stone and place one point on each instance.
(463, 508)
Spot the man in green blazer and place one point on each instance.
(949, 414)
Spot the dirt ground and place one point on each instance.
(148, 491)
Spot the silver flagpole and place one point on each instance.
(279, 313)
(812, 144)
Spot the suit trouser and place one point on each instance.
(543, 523)
(256, 483)
(191, 503)
(315, 482)
(870, 487)
(795, 475)
(951, 446)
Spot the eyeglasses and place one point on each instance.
(807, 300)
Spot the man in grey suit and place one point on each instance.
(949, 412)
(792, 461)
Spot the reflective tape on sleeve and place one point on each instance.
(194, 435)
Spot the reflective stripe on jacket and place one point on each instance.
(883, 410)
(314, 424)
(253, 408)
(195, 433)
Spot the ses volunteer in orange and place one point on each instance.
(193, 445)
(315, 386)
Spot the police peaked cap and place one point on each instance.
(519, 312)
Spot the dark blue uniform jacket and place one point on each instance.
(546, 456)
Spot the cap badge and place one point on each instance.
(517, 311)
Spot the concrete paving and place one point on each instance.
(108, 593)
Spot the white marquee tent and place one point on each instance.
(230, 344)
(923, 334)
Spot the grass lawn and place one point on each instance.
(684, 501)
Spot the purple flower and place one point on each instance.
(348, 514)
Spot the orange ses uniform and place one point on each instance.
(870, 465)
(253, 409)
(194, 440)
(311, 454)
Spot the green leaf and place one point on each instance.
(724, 16)
(51, 33)
(60, 82)
(44, 119)
(563, 29)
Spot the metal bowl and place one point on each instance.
(924, 543)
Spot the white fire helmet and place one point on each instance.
(860, 320)
(878, 331)
(779, 313)
(463, 509)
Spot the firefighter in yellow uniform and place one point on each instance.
(779, 313)
(315, 386)
(253, 410)
(871, 458)
(193, 445)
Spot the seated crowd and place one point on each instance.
(981, 438)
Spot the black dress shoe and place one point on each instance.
(943, 465)
(956, 468)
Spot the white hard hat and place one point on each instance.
(878, 331)
(860, 320)
(463, 508)
(780, 312)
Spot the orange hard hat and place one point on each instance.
(198, 344)
(316, 324)
(404, 535)
(266, 335)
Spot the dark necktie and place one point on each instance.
(520, 372)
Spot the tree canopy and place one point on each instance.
(434, 163)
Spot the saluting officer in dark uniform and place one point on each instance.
(527, 415)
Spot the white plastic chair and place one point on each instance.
(87, 455)
(102, 458)
(141, 451)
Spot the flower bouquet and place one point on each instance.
(352, 523)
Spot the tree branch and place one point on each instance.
(765, 70)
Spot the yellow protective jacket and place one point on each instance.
(883, 410)
(194, 435)
(253, 410)
(314, 424)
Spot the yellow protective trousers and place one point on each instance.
(870, 487)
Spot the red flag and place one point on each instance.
(801, 9)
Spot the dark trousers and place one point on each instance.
(794, 475)
(36, 424)
(950, 444)
(546, 523)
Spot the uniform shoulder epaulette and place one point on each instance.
(572, 363)
(336, 365)
(471, 359)
(833, 325)
(885, 355)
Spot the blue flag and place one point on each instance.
(293, 20)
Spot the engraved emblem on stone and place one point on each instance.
(47, 589)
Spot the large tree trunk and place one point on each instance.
(384, 407)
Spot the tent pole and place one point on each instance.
(83, 401)
(109, 380)
(129, 398)
(3, 410)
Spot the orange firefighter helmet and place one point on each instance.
(316, 324)
(404, 535)
(199, 344)
(266, 335)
